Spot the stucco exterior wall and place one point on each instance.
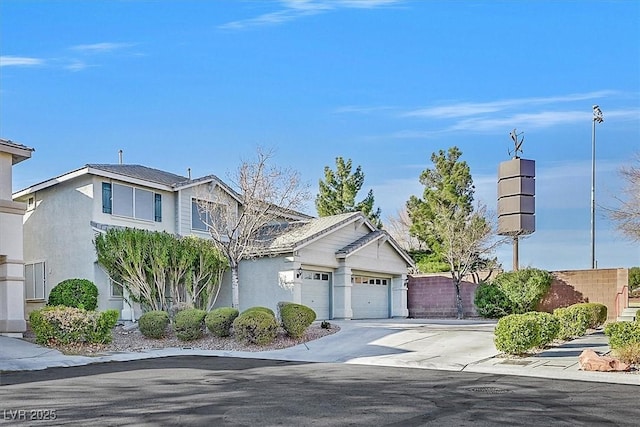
(12, 321)
(258, 284)
(58, 231)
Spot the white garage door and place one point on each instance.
(316, 293)
(370, 298)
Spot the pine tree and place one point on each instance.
(337, 193)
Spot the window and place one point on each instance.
(116, 290)
(201, 217)
(31, 203)
(363, 280)
(34, 281)
(131, 202)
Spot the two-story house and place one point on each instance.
(341, 266)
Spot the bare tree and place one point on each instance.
(627, 214)
(265, 195)
(468, 240)
(399, 226)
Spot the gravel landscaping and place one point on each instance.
(126, 339)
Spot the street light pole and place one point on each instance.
(597, 118)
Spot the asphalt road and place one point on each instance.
(194, 390)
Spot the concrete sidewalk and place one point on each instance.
(452, 345)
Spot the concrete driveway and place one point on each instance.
(432, 344)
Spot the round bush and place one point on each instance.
(66, 325)
(517, 334)
(220, 320)
(256, 326)
(574, 321)
(296, 318)
(622, 334)
(78, 293)
(259, 308)
(548, 327)
(153, 324)
(189, 324)
(491, 301)
(524, 288)
(597, 313)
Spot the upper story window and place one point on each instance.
(202, 215)
(131, 202)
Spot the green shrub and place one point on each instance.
(258, 308)
(256, 326)
(153, 324)
(524, 288)
(296, 318)
(491, 301)
(102, 333)
(574, 321)
(597, 313)
(628, 353)
(517, 334)
(78, 293)
(189, 324)
(220, 320)
(65, 325)
(622, 334)
(548, 327)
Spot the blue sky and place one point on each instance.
(200, 84)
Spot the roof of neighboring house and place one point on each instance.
(18, 152)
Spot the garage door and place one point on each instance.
(370, 298)
(316, 293)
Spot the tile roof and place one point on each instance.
(361, 242)
(310, 230)
(142, 172)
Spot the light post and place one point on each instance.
(597, 118)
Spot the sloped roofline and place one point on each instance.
(18, 152)
(348, 219)
(100, 170)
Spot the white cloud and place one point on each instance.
(76, 65)
(100, 47)
(20, 61)
(295, 9)
(465, 109)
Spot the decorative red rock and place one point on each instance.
(589, 360)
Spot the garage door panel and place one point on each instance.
(370, 301)
(317, 295)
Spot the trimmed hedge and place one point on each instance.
(256, 326)
(259, 308)
(295, 318)
(622, 334)
(220, 320)
(577, 318)
(517, 333)
(78, 293)
(65, 325)
(491, 301)
(153, 324)
(189, 324)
